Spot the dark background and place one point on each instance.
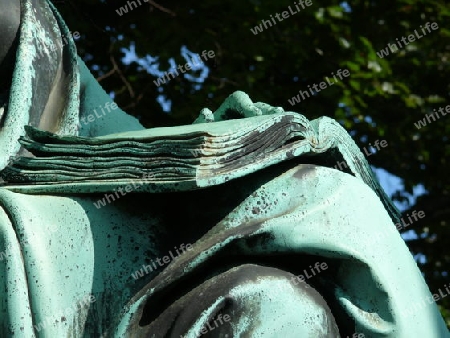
(382, 98)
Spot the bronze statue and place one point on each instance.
(223, 228)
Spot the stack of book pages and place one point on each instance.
(180, 158)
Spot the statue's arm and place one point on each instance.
(99, 114)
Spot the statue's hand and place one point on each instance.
(236, 106)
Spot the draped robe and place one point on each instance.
(249, 237)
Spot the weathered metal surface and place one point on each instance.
(71, 267)
(303, 213)
(186, 157)
(47, 83)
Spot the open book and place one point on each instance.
(181, 158)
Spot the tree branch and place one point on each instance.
(161, 8)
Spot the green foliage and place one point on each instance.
(272, 66)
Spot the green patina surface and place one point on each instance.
(255, 195)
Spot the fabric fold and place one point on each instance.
(32, 90)
(365, 286)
